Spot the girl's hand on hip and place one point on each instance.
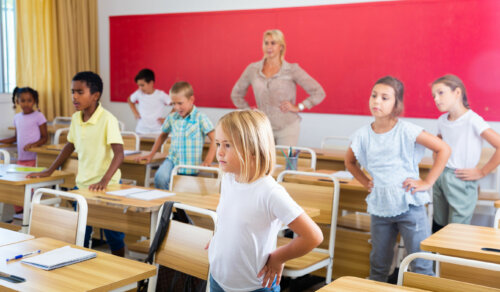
(287, 106)
(272, 269)
(469, 173)
(415, 185)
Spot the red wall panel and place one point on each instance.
(345, 47)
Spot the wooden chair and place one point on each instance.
(58, 223)
(131, 141)
(183, 248)
(195, 184)
(335, 142)
(60, 136)
(310, 162)
(497, 214)
(438, 284)
(5, 157)
(325, 198)
(121, 125)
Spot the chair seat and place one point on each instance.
(356, 221)
(304, 261)
(140, 246)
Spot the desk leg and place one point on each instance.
(148, 175)
(28, 191)
(154, 220)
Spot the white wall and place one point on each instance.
(6, 115)
(314, 126)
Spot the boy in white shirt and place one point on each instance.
(153, 104)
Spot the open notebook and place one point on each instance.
(59, 257)
(141, 194)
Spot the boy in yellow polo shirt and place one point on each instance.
(95, 135)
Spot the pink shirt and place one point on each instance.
(28, 131)
(270, 92)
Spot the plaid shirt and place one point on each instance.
(187, 137)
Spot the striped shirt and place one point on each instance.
(187, 137)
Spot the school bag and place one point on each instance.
(170, 280)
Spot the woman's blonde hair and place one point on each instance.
(277, 36)
(252, 136)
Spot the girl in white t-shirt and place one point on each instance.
(252, 208)
(455, 191)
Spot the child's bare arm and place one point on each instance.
(476, 173)
(351, 163)
(61, 158)
(442, 153)
(133, 108)
(113, 167)
(211, 150)
(43, 138)
(156, 146)
(308, 237)
(9, 140)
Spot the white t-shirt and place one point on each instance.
(249, 217)
(150, 107)
(464, 137)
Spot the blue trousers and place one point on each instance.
(215, 287)
(162, 175)
(413, 226)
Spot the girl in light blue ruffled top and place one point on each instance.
(390, 150)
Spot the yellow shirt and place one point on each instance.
(92, 140)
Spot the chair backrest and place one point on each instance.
(184, 246)
(131, 141)
(58, 223)
(306, 156)
(438, 284)
(195, 184)
(335, 142)
(324, 198)
(60, 135)
(62, 120)
(5, 156)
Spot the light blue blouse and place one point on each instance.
(390, 158)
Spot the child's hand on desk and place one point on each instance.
(100, 186)
(272, 269)
(469, 173)
(415, 185)
(369, 185)
(44, 173)
(28, 146)
(148, 158)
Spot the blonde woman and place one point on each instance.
(274, 82)
(252, 209)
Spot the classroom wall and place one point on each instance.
(314, 126)
(7, 115)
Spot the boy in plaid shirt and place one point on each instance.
(188, 128)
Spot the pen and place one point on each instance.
(20, 256)
(490, 249)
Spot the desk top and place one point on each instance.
(129, 159)
(103, 273)
(205, 201)
(465, 241)
(9, 237)
(21, 179)
(354, 284)
(51, 129)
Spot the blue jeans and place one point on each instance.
(215, 287)
(162, 176)
(413, 226)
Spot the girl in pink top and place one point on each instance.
(31, 125)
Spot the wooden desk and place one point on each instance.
(9, 237)
(139, 217)
(147, 141)
(103, 273)
(139, 171)
(51, 130)
(466, 241)
(354, 284)
(16, 189)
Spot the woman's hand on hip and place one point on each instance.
(287, 106)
